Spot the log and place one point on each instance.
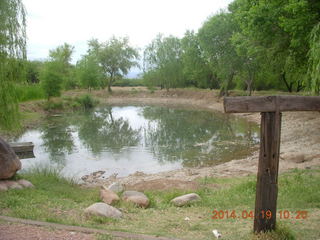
(271, 104)
(23, 149)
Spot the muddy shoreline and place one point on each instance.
(300, 139)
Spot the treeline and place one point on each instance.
(256, 44)
(100, 67)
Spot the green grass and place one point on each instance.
(56, 199)
(27, 92)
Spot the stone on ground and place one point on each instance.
(9, 161)
(138, 198)
(185, 199)
(25, 183)
(13, 185)
(108, 196)
(103, 210)
(116, 187)
(3, 186)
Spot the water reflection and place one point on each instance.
(99, 131)
(197, 138)
(149, 139)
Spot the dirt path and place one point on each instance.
(17, 228)
(300, 139)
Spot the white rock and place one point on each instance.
(185, 199)
(216, 233)
(103, 210)
(116, 187)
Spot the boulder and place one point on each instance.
(108, 196)
(25, 183)
(103, 210)
(116, 187)
(138, 198)
(9, 161)
(185, 199)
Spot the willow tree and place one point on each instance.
(12, 50)
(314, 60)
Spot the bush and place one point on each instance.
(86, 101)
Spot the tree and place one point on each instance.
(62, 55)
(162, 61)
(215, 39)
(12, 50)
(115, 57)
(89, 73)
(196, 70)
(52, 78)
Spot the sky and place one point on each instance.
(51, 23)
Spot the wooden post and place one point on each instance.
(267, 179)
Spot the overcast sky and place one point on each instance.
(50, 23)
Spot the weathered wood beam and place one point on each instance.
(23, 149)
(271, 104)
(267, 178)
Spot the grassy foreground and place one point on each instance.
(59, 200)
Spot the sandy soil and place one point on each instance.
(17, 231)
(300, 138)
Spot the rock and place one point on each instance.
(103, 210)
(137, 198)
(13, 185)
(185, 199)
(25, 183)
(116, 187)
(9, 161)
(108, 196)
(3, 186)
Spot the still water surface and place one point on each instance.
(127, 139)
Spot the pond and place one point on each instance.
(126, 139)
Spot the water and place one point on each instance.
(127, 139)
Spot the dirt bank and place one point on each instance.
(299, 141)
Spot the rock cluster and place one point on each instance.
(109, 196)
(20, 184)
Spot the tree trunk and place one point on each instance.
(283, 77)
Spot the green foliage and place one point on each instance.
(12, 50)
(52, 79)
(62, 56)
(127, 82)
(26, 92)
(196, 70)
(86, 101)
(83, 102)
(215, 38)
(33, 69)
(163, 63)
(115, 57)
(89, 72)
(314, 60)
